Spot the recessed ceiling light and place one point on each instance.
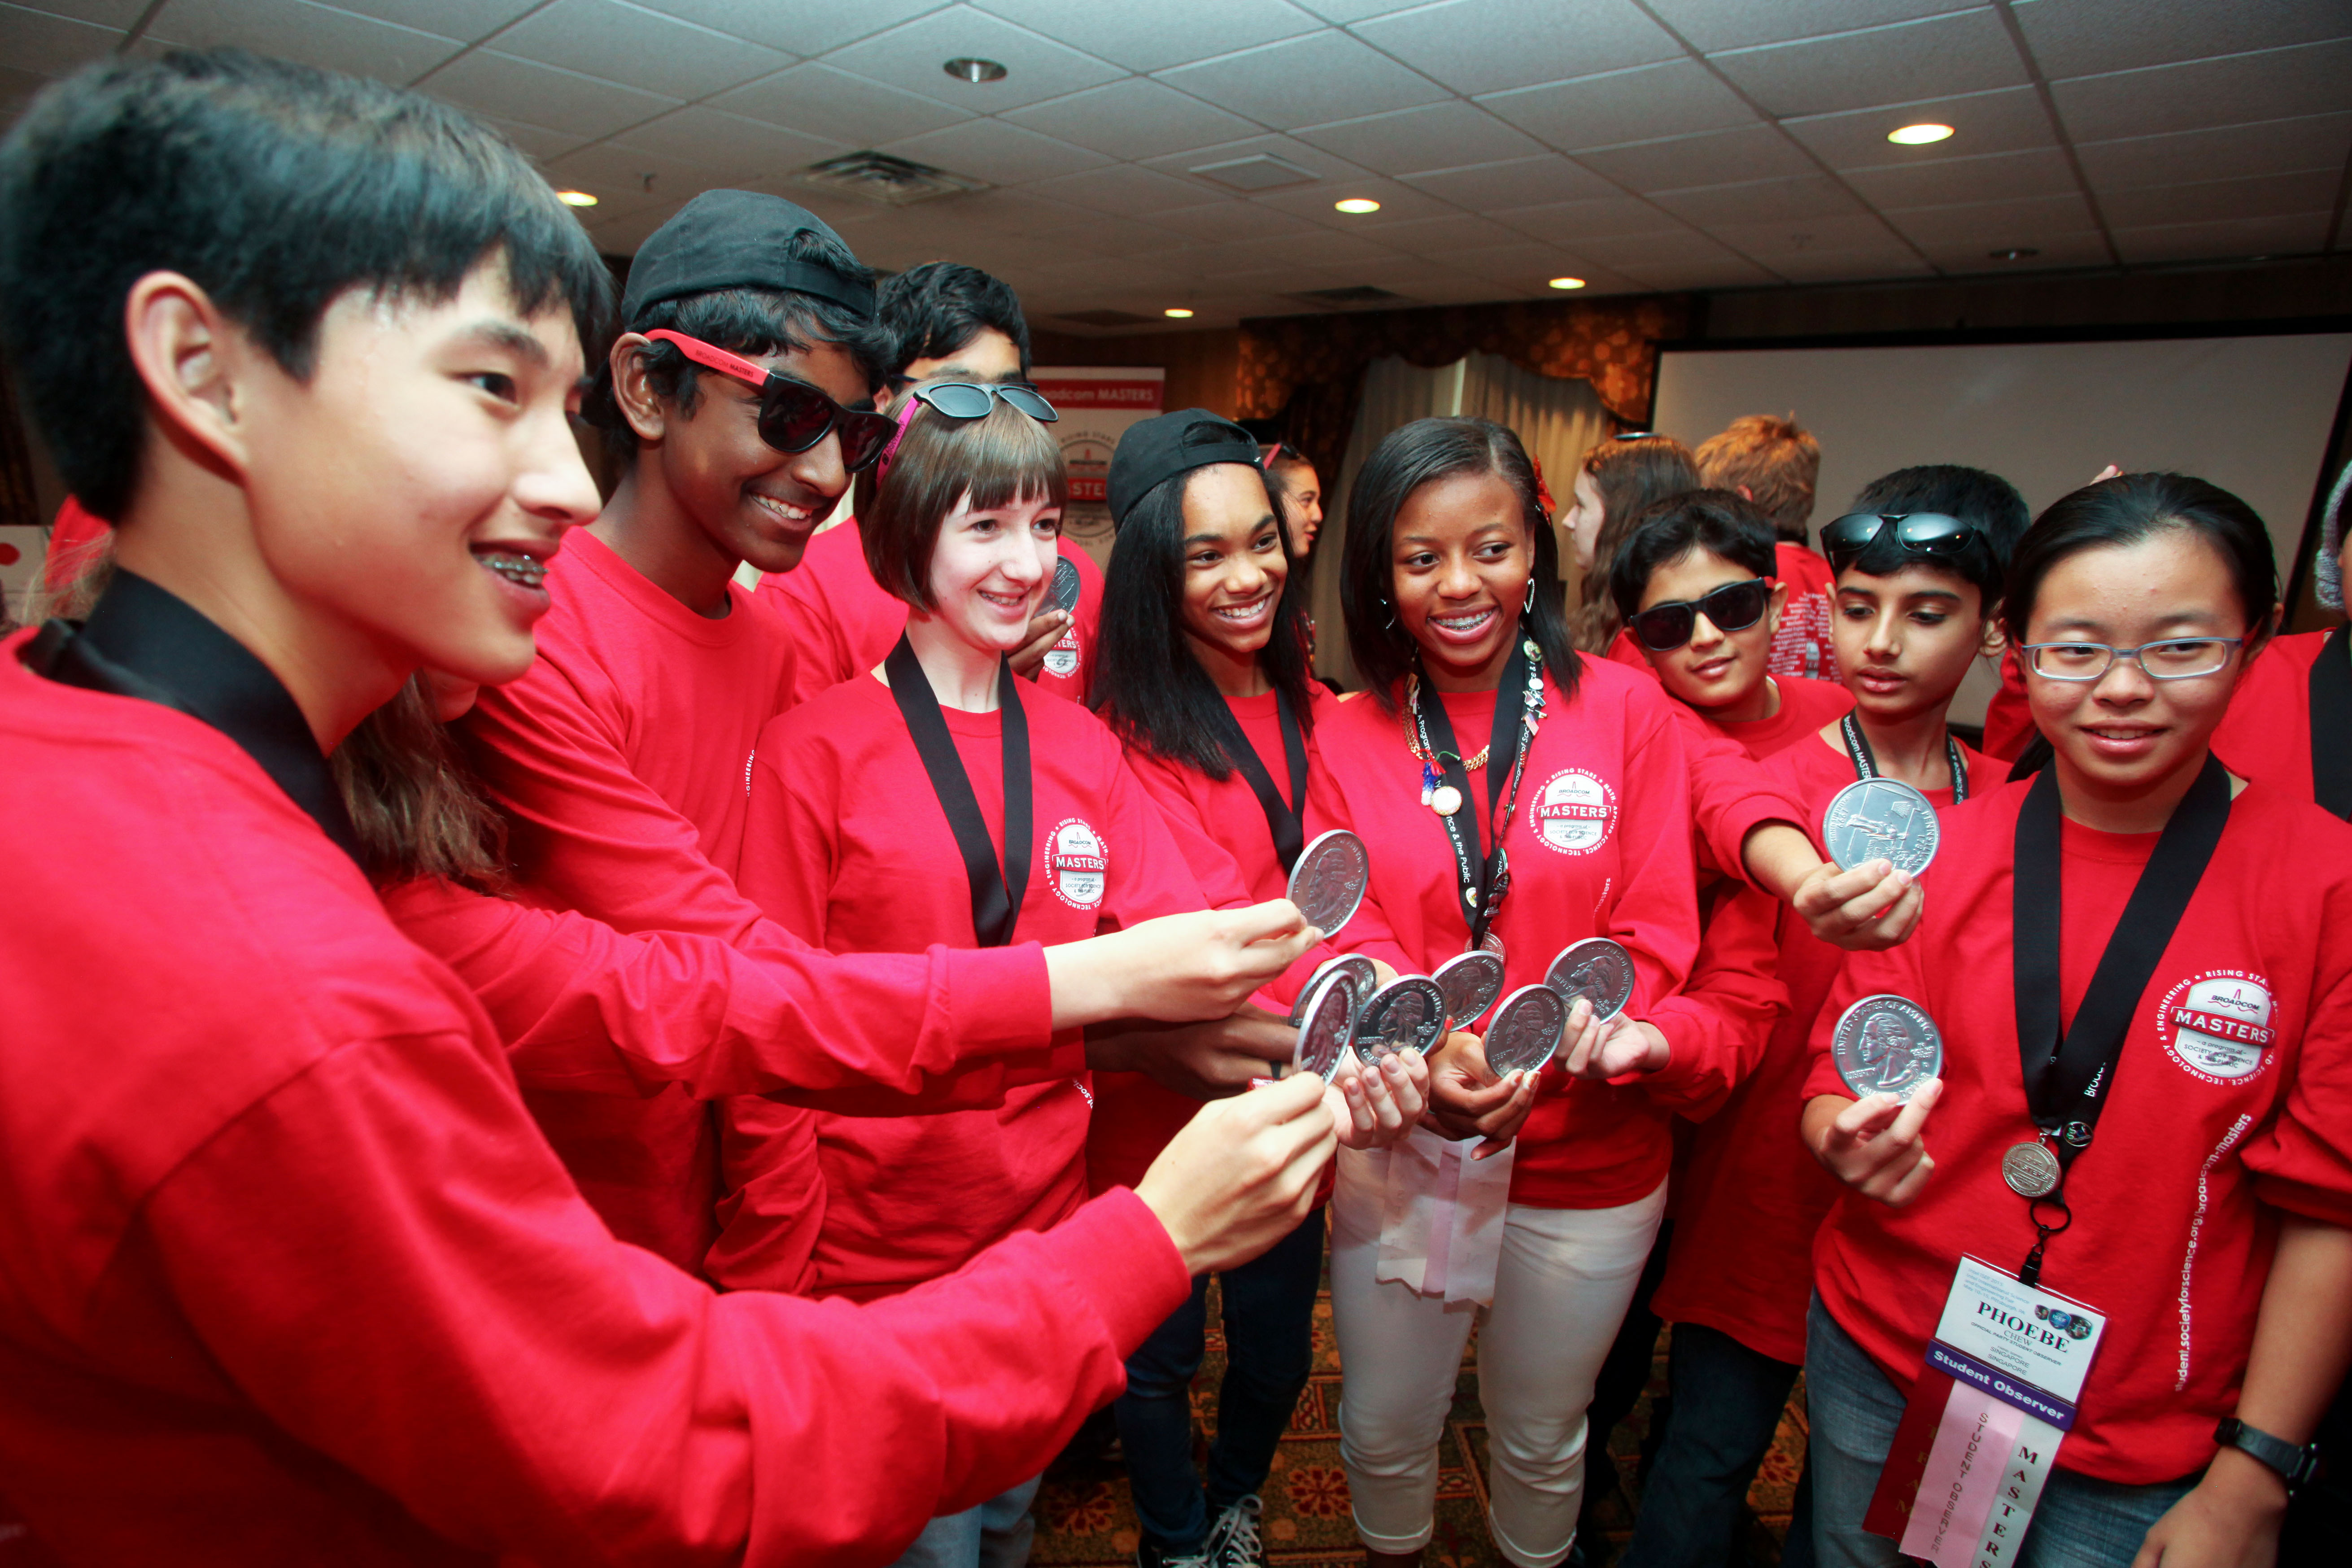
(2014, 253)
(1358, 204)
(1567, 282)
(575, 198)
(1178, 313)
(975, 71)
(1918, 135)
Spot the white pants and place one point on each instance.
(1560, 1291)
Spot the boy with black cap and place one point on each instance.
(946, 323)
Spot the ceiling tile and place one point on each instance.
(1571, 223)
(1649, 101)
(1135, 118)
(1761, 200)
(1101, 234)
(1770, 240)
(2276, 84)
(542, 95)
(1346, 11)
(622, 43)
(1726, 271)
(2216, 201)
(1004, 212)
(622, 177)
(818, 101)
(2085, 247)
(910, 57)
(732, 148)
(1322, 165)
(1633, 254)
(1310, 249)
(2292, 235)
(1487, 46)
(2231, 151)
(1398, 204)
(54, 46)
(118, 15)
(1520, 181)
(1735, 23)
(1153, 37)
(1446, 135)
(469, 20)
(537, 141)
(1441, 237)
(309, 35)
(1521, 260)
(797, 29)
(1967, 51)
(1216, 222)
(1993, 225)
(994, 151)
(1310, 81)
(1123, 188)
(2087, 37)
(1997, 176)
(1891, 260)
(2007, 120)
(1752, 152)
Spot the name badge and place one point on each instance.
(1995, 1398)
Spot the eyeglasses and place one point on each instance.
(1920, 532)
(1734, 608)
(794, 416)
(972, 399)
(2181, 659)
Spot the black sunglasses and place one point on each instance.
(1920, 532)
(1734, 608)
(970, 399)
(794, 416)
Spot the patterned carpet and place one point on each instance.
(1085, 1520)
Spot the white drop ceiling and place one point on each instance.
(1641, 144)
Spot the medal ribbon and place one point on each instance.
(1866, 764)
(2067, 1079)
(1282, 818)
(2331, 724)
(1483, 880)
(996, 893)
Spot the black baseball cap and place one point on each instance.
(735, 239)
(1158, 450)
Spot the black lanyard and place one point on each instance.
(2069, 1080)
(1282, 818)
(995, 894)
(1484, 879)
(1866, 765)
(2331, 724)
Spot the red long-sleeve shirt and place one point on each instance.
(292, 1277)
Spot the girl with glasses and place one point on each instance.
(2137, 1140)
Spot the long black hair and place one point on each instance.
(1148, 686)
(1414, 455)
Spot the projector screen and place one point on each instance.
(2251, 413)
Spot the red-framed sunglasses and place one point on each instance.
(794, 416)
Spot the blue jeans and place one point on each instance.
(2080, 1523)
(996, 1534)
(1728, 1401)
(1269, 1349)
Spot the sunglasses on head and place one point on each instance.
(972, 399)
(1920, 532)
(794, 416)
(1734, 608)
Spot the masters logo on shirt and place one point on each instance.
(1062, 658)
(1076, 862)
(2217, 1026)
(1574, 812)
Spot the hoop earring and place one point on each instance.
(1528, 607)
(1391, 621)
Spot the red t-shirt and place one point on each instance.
(2008, 725)
(1805, 707)
(850, 848)
(292, 1277)
(1803, 646)
(2266, 735)
(2206, 1132)
(1600, 846)
(842, 624)
(1741, 1259)
(622, 761)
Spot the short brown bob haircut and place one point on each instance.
(940, 464)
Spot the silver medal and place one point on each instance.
(1355, 967)
(2031, 1170)
(1064, 591)
(1328, 1026)
(1880, 819)
(1526, 1030)
(1328, 881)
(1597, 969)
(1408, 1013)
(1886, 1044)
(1471, 981)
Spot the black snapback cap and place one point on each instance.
(735, 239)
(1158, 450)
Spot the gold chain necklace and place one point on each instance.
(1421, 754)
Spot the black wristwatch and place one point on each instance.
(2295, 1465)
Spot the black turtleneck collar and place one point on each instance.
(143, 641)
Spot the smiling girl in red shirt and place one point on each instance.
(2178, 1166)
